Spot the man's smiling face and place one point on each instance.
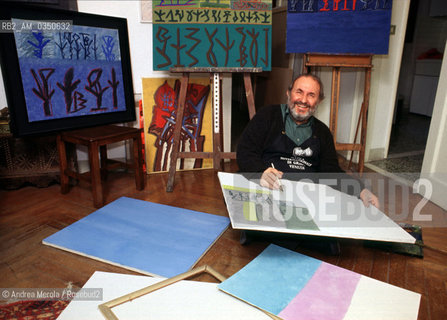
(303, 98)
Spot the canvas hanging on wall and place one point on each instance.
(338, 26)
(160, 103)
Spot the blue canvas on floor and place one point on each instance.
(147, 237)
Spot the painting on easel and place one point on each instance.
(338, 26)
(160, 103)
(212, 34)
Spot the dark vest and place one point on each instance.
(286, 156)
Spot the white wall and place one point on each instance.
(434, 166)
(384, 81)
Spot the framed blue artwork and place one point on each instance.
(338, 26)
(64, 69)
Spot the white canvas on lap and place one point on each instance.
(305, 208)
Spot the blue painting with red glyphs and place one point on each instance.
(68, 74)
(338, 26)
(212, 34)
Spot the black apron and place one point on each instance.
(287, 156)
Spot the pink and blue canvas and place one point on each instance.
(146, 237)
(293, 286)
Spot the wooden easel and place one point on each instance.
(337, 62)
(217, 154)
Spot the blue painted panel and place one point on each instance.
(150, 237)
(81, 69)
(331, 26)
(272, 279)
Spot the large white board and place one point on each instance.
(305, 208)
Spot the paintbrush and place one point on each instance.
(279, 180)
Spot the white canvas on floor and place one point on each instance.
(182, 300)
(294, 286)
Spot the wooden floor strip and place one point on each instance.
(30, 214)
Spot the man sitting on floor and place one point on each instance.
(279, 133)
(287, 140)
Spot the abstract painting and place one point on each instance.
(65, 69)
(297, 287)
(212, 33)
(70, 74)
(257, 207)
(338, 26)
(160, 103)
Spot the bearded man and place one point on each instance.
(287, 140)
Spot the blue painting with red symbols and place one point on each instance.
(338, 26)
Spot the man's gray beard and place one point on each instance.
(299, 117)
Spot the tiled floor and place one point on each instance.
(407, 146)
(405, 167)
(409, 133)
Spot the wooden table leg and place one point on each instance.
(103, 157)
(95, 175)
(138, 162)
(63, 164)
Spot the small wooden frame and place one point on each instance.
(106, 308)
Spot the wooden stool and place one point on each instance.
(97, 139)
